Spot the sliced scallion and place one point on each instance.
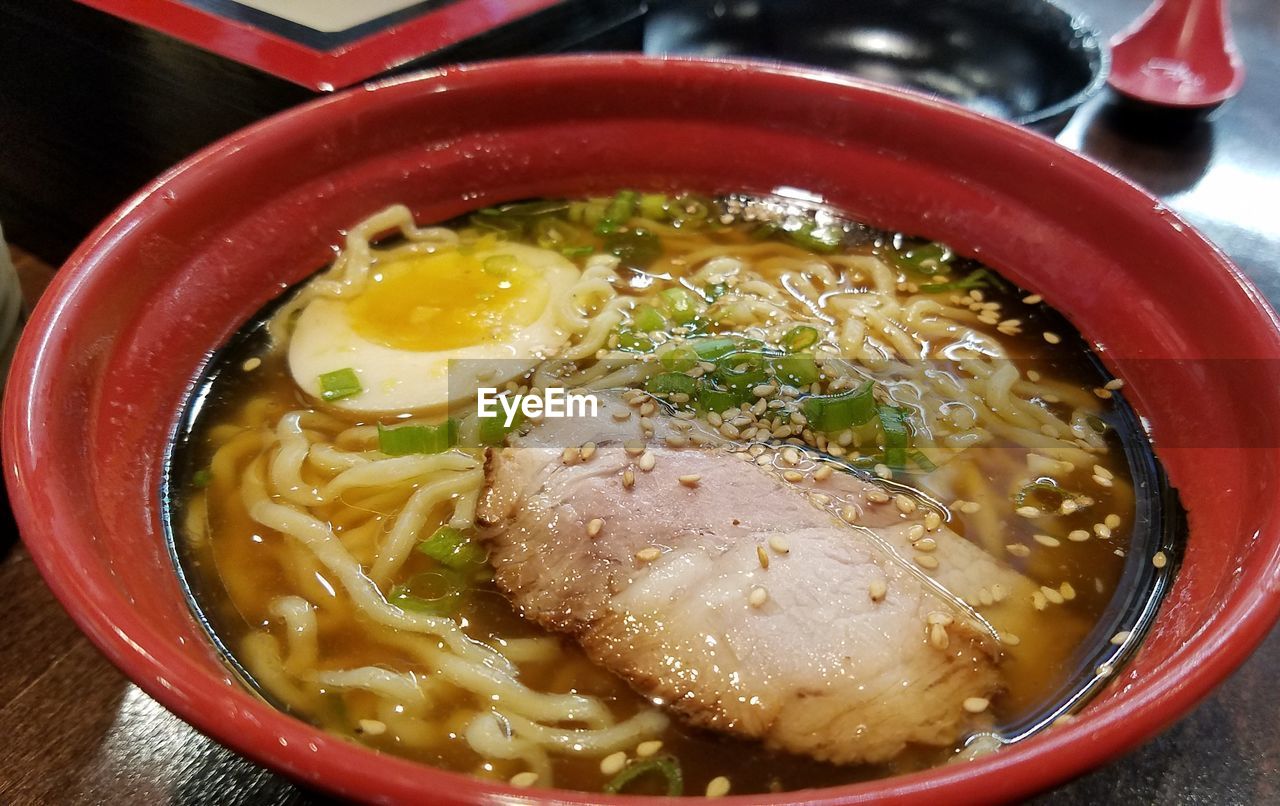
(410, 439)
(797, 370)
(339, 384)
(452, 549)
(800, 337)
(646, 319)
(666, 766)
(893, 421)
(671, 383)
(842, 410)
(618, 212)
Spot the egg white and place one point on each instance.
(396, 380)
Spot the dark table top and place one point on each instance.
(75, 731)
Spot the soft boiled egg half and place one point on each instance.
(487, 310)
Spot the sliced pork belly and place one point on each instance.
(739, 597)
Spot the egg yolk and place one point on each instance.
(446, 301)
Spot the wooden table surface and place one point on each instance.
(75, 731)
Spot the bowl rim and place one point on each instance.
(263, 734)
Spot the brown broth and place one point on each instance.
(235, 569)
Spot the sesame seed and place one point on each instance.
(594, 526)
(718, 787)
(883, 471)
(1018, 550)
(628, 479)
(793, 476)
(1104, 394)
(1105, 670)
(648, 408)
(1009, 639)
(1033, 299)
(970, 507)
(524, 779)
(1069, 506)
(587, 451)
(729, 430)
(1102, 481)
(613, 763)
(927, 561)
(762, 556)
(569, 456)
(1067, 590)
(927, 545)
(649, 748)
(1078, 535)
(1047, 540)
(677, 441)
(714, 420)
(764, 459)
(938, 636)
(690, 480)
(790, 455)
(1099, 470)
(932, 520)
(849, 513)
(1160, 560)
(633, 447)
(622, 415)
(878, 589)
(823, 473)
(1028, 512)
(372, 727)
(976, 705)
(778, 544)
(939, 617)
(758, 597)
(1052, 338)
(915, 532)
(648, 555)
(905, 504)
(1120, 637)
(998, 592)
(1113, 384)
(1033, 376)
(1102, 530)
(763, 390)
(1052, 594)
(646, 461)
(251, 364)
(878, 497)
(1064, 719)
(1112, 521)
(1038, 600)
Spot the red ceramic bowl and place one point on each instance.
(111, 351)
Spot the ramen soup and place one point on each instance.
(769, 499)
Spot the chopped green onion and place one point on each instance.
(500, 265)
(493, 430)
(714, 348)
(742, 370)
(201, 478)
(588, 212)
(765, 230)
(634, 342)
(923, 462)
(433, 593)
(800, 337)
(715, 291)
(810, 235)
(689, 210)
(796, 370)
(452, 549)
(646, 319)
(843, 410)
(680, 304)
(929, 258)
(975, 279)
(617, 213)
(671, 383)
(635, 247)
(410, 439)
(719, 399)
(577, 251)
(653, 205)
(339, 384)
(896, 435)
(679, 358)
(666, 766)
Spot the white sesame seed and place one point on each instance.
(1160, 560)
(793, 476)
(729, 430)
(976, 705)
(524, 779)
(998, 592)
(927, 561)
(790, 455)
(883, 471)
(633, 447)
(372, 727)
(613, 763)
(938, 636)
(718, 787)
(1099, 470)
(1028, 512)
(1078, 535)
(1102, 530)
(676, 441)
(587, 451)
(594, 526)
(849, 513)
(823, 473)
(927, 545)
(714, 420)
(1067, 590)
(878, 497)
(1069, 506)
(622, 415)
(905, 504)
(1038, 601)
(646, 461)
(764, 390)
(878, 589)
(1105, 670)
(628, 479)
(915, 532)
(762, 556)
(1112, 521)
(1047, 540)
(758, 597)
(648, 408)
(1103, 394)
(649, 748)
(1114, 384)
(779, 544)
(1052, 338)
(649, 554)
(1120, 637)
(1018, 550)
(1032, 299)
(569, 456)
(932, 520)
(1010, 639)
(1052, 594)
(1033, 376)
(251, 364)
(970, 507)
(690, 480)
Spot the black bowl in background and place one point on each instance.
(1028, 61)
